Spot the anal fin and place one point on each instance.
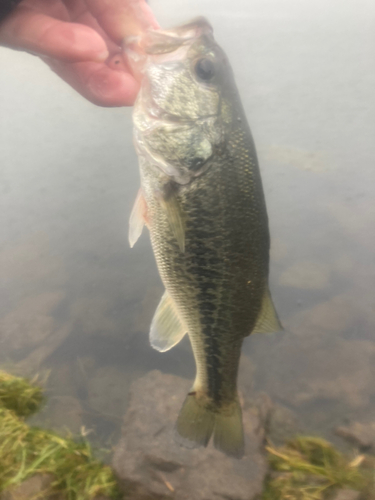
(166, 327)
(268, 320)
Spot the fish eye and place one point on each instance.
(205, 69)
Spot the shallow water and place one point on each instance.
(76, 302)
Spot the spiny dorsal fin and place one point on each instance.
(137, 218)
(166, 327)
(267, 321)
(175, 218)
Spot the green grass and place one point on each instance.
(26, 451)
(309, 468)
(306, 468)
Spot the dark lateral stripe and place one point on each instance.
(213, 359)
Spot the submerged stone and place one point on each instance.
(319, 367)
(347, 495)
(108, 389)
(307, 275)
(151, 464)
(360, 434)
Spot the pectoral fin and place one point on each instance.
(175, 218)
(166, 327)
(138, 218)
(267, 321)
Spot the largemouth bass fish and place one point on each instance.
(201, 197)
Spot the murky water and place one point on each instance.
(76, 302)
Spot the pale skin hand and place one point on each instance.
(81, 41)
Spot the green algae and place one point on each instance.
(20, 395)
(27, 451)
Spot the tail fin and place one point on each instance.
(198, 420)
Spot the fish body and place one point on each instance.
(202, 199)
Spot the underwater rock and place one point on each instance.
(93, 315)
(245, 377)
(31, 322)
(279, 250)
(34, 488)
(151, 464)
(108, 389)
(37, 487)
(303, 159)
(306, 275)
(355, 217)
(33, 361)
(63, 379)
(361, 435)
(66, 413)
(279, 422)
(282, 425)
(319, 367)
(347, 495)
(336, 315)
(29, 266)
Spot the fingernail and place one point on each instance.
(102, 56)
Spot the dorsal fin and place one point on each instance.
(267, 321)
(166, 327)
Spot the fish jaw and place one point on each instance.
(156, 43)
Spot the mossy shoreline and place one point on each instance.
(306, 468)
(27, 451)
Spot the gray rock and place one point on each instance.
(151, 464)
(347, 495)
(66, 414)
(108, 389)
(361, 435)
(342, 372)
(34, 488)
(306, 275)
(282, 425)
(31, 322)
(34, 360)
(37, 487)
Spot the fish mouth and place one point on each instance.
(158, 43)
(165, 41)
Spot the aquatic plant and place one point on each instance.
(20, 395)
(27, 451)
(310, 468)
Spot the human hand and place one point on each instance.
(81, 41)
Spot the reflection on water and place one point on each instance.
(77, 302)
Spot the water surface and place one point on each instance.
(76, 301)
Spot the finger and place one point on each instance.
(98, 83)
(84, 16)
(122, 18)
(29, 30)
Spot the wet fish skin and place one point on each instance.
(208, 223)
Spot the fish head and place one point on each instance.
(183, 112)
